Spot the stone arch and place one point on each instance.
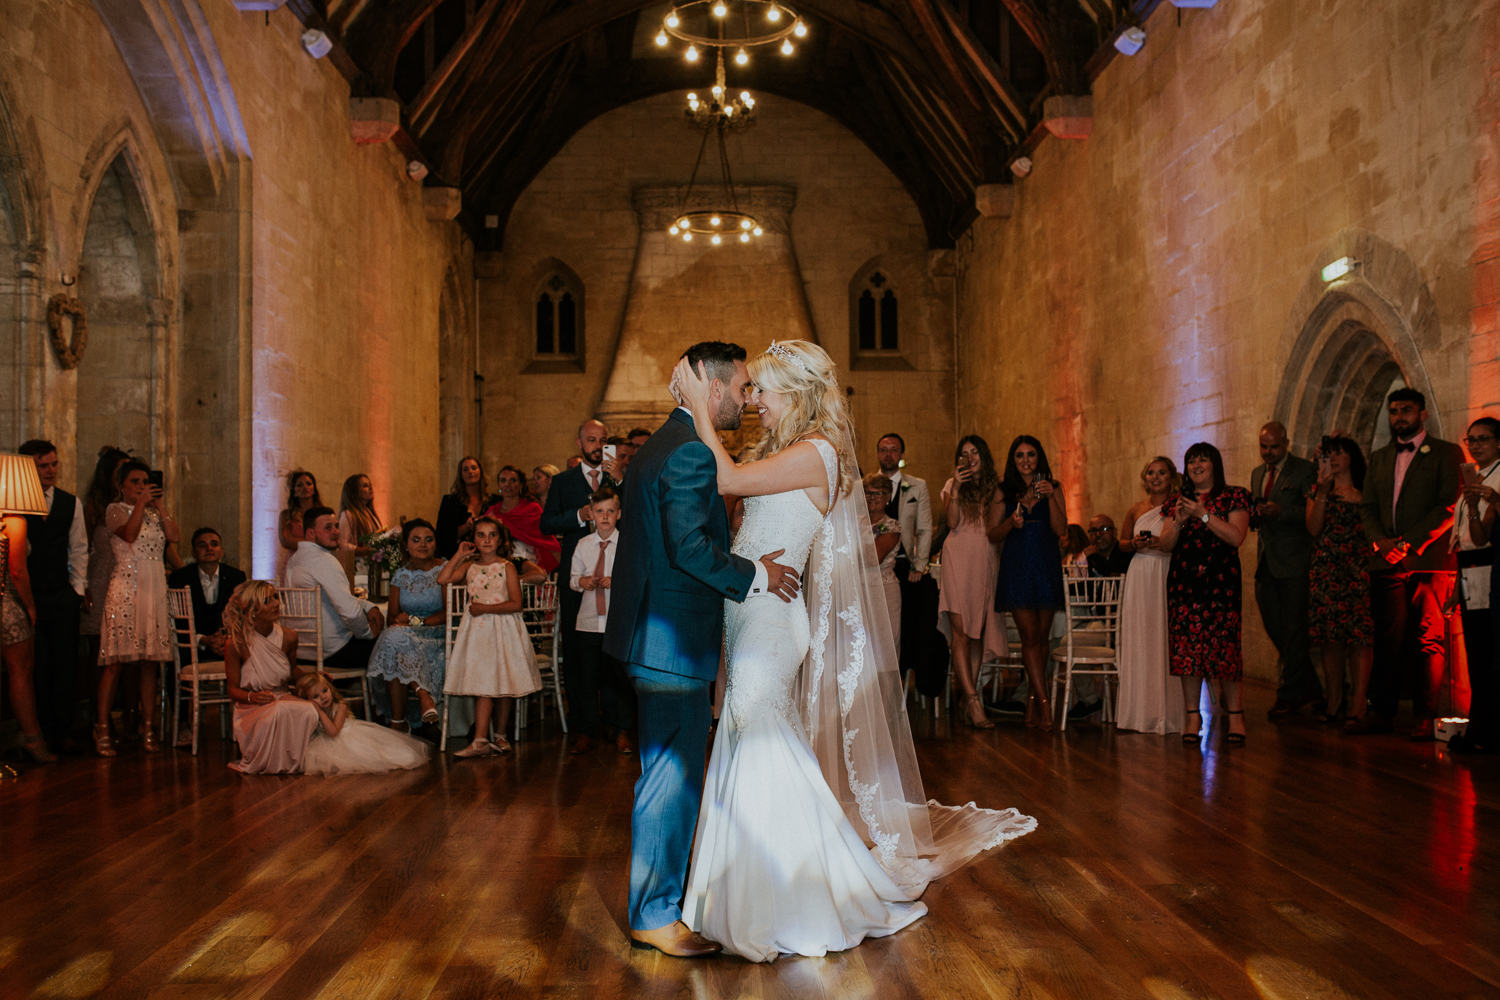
(121, 380)
(456, 417)
(1347, 340)
(117, 155)
(23, 256)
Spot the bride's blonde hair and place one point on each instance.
(805, 374)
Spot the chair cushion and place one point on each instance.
(211, 671)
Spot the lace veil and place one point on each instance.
(853, 709)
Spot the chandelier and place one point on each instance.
(738, 24)
(721, 108)
(724, 221)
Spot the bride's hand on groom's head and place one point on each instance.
(690, 385)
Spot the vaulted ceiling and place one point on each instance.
(945, 92)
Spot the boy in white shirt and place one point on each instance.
(593, 676)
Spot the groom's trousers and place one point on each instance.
(673, 714)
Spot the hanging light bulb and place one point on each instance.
(720, 10)
(786, 47)
(682, 223)
(744, 237)
(749, 101)
(742, 57)
(672, 21)
(714, 221)
(718, 91)
(756, 230)
(745, 223)
(729, 111)
(799, 29)
(715, 240)
(745, 98)
(687, 237)
(692, 53)
(774, 14)
(661, 39)
(673, 230)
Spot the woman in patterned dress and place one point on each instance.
(1205, 525)
(409, 656)
(136, 631)
(1339, 613)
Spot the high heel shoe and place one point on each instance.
(1233, 739)
(103, 745)
(974, 706)
(36, 749)
(1044, 715)
(1192, 735)
(149, 742)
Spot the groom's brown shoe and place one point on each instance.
(676, 940)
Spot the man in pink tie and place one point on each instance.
(597, 684)
(569, 517)
(1407, 510)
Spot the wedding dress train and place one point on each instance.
(783, 863)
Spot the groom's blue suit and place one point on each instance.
(672, 572)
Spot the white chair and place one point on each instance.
(457, 596)
(192, 675)
(1093, 612)
(302, 609)
(543, 620)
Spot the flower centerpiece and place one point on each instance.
(385, 557)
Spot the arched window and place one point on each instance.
(556, 319)
(875, 318)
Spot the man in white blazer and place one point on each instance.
(911, 506)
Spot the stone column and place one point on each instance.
(682, 293)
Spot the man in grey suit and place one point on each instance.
(1280, 485)
(1407, 510)
(911, 507)
(673, 571)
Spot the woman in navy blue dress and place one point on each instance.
(1030, 586)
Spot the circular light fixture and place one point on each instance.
(713, 223)
(729, 30)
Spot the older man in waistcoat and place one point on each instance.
(59, 568)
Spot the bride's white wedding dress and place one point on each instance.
(783, 863)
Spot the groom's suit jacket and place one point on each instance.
(673, 568)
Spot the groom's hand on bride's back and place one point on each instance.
(782, 581)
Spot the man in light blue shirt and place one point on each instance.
(350, 624)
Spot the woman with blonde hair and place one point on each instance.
(357, 520)
(1149, 700)
(814, 752)
(271, 725)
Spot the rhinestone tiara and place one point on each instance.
(781, 351)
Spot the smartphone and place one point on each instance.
(1323, 467)
(1146, 535)
(156, 478)
(1470, 473)
(609, 452)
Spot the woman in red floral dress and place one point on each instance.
(1339, 610)
(1206, 524)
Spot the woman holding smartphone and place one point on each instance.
(966, 599)
(1149, 701)
(1030, 583)
(1339, 617)
(136, 633)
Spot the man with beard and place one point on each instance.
(1407, 510)
(569, 516)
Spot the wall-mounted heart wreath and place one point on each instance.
(69, 351)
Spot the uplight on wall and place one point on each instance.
(316, 43)
(1130, 40)
(1339, 268)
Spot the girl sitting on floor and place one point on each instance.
(342, 745)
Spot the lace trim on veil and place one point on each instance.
(857, 717)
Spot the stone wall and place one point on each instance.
(289, 314)
(1159, 282)
(579, 211)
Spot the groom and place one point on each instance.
(673, 570)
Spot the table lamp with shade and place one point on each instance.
(20, 493)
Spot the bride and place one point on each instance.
(814, 831)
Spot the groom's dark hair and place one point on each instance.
(719, 358)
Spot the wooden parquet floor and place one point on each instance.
(1303, 865)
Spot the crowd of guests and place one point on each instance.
(1363, 560)
(1360, 560)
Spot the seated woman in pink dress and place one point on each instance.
(271, 725)
(522, 517)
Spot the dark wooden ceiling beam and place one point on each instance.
(1008, 105)
(1039, 27)
(486, 24)
(375, 40)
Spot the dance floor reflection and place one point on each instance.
(1305, 864)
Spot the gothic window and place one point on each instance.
(556, 312)
(877, 312)
(556, 319)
